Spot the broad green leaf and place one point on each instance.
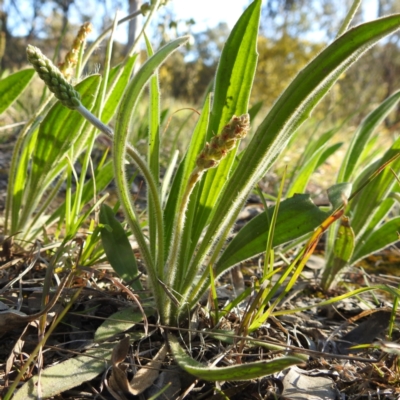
(20, 182)
(233, 83)
(362, 136)
(60, 129)
(291, 109)
(118, 249)
(67, 374)
(297, 216)
(117, 323)
(379, 239)
(57, 133)
(239, 372)
(12, 86)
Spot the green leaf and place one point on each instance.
(343, 247)
(118, 88)
(12, 86)
(153, 155)
(57, 133)
(378, 219)
(379, 239)
(304, 174)
(102, 178)
(238, 372)
(297, 216)
(255, 109)
(117, 323)
(328, 152)
(60, 129)
(339, 193)
(118, 249)
(362, 135)
(366, 204)
(233, 83)
(67, 374)
(128, 105)
(288, 113)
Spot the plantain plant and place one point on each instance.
(188, 225)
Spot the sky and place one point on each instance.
(206, 13)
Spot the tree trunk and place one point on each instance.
(133, 27)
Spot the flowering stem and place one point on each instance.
(209, 157)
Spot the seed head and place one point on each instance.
(222, 144)
(53, 78)
(71, 59)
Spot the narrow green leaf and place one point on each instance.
(362, 135)
(118, 249)
(255, 109)
(233, 83)
(12, 86)
(297, 216)
(365, 205)
(343, 247)
(303, 176)
(122, 129)
(379, 239)
(153, 155)
(118, 88)
(328, 152)
(67, 374)
(238, 372)
(102, 178)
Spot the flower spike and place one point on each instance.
(222, 144)
(53, 78)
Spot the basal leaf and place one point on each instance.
(115, 94)
(379, 239)
(233, 83)
(362, 135)
(366, 204)
(343, 247)
(239, 372)
(67, 374)
(117, 248)
(291, 109)
(59, 130)
(117, 323)
(297, 216)
(304, 174)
